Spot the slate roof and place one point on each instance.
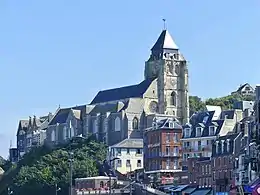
(41, 122)
(129, 143)
(228, 113)
(164, 41)
(164, 123)
(110, 107)
(203, 119)
(122, 93)
(202, 192)
(63, 113)
(242, 86)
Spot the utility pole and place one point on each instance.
(56, 190)
(71, 172)
(130, 178)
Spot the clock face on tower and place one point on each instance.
(173, 83)
(153, 107)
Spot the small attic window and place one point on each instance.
(135, 123)
(171, 124)
(198, 131)
(187, 132)
(212, 130)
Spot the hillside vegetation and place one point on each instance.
(42, 168)
(226, 102)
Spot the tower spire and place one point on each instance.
(164, 24)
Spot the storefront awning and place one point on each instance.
(201, 192)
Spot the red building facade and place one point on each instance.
(162, 149)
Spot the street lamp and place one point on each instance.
(9, 191)
(130, 178)
(57, 189)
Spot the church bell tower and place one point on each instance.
(169, 67)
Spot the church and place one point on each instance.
(122, 113)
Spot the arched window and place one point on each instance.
(117, 124)
(53, 136)
(173, 99)
(65, 133)
(135, 123)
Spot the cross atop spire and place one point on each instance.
(164, 24)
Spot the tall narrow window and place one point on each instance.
(72, 133)
(168, 137)
(65, 133)
(117, 124)
(95, 128)
(53, 136)
(135, 123)
(173, 99)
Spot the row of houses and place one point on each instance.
(143, 123)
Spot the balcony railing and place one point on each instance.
(153, 145)
(171, 154)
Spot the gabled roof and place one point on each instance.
(41, 122)
(164, 41)
(129, 143)
(63, 113)
(122, 93)
(242, 86)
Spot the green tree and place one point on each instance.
(43, 167)
(227, 102)
(196, 104)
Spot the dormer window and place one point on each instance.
(135, 124)
(212, 130)
(187, 132)
(198, 131)
(171, 125)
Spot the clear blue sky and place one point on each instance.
(64, 52)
